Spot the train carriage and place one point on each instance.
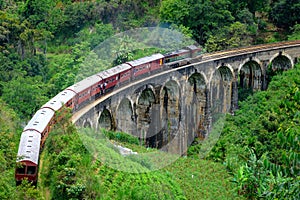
(85, 89)
(115, 75)
(146, 64)
(63, 98)
(41, 122)
(28, 156)
(124, 72)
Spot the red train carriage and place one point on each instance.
(113, 76)
(28, 156)
(146, 65)
(85, 90)
(124, 72)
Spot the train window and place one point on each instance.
(21, 169)
(31, 169)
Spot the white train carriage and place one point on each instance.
(63, 98)
(28, 156)
(41, 122)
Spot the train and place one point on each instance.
(81, 93)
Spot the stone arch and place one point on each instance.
(169, 114)
(279, 62)
(145, 112)
(250, 75)
(196, 103)
(221, 90)
(105, 120)
(125, 116)
(87, 123)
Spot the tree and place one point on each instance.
(235, 35)
(202, 17)
(285, 13)
(37, 11)
(25, 95)
(295, 33)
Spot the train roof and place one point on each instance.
(146, 59)
(59, 100)
(40, 120)
(177, 52)
(29, 146)
(114, 70)
(85, 83)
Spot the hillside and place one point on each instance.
(70, 169)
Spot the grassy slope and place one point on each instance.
(187, 178)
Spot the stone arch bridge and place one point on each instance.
(170, 108)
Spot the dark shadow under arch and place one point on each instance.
(105, 120)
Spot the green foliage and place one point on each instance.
(25, 95)
(285, 13)
(70, 171)
(267, 124)
(95, 34)
(255, 180)
(8, 145)
(27, 191)
(234, 36)
(120, 137)
(295, 33)
(201, 179)
(243, 93)
(7, 151)
(203, 18)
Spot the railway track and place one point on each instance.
(250, 49)
(205, 58)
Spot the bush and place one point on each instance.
(121, 137)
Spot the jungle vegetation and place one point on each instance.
(43, 44)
